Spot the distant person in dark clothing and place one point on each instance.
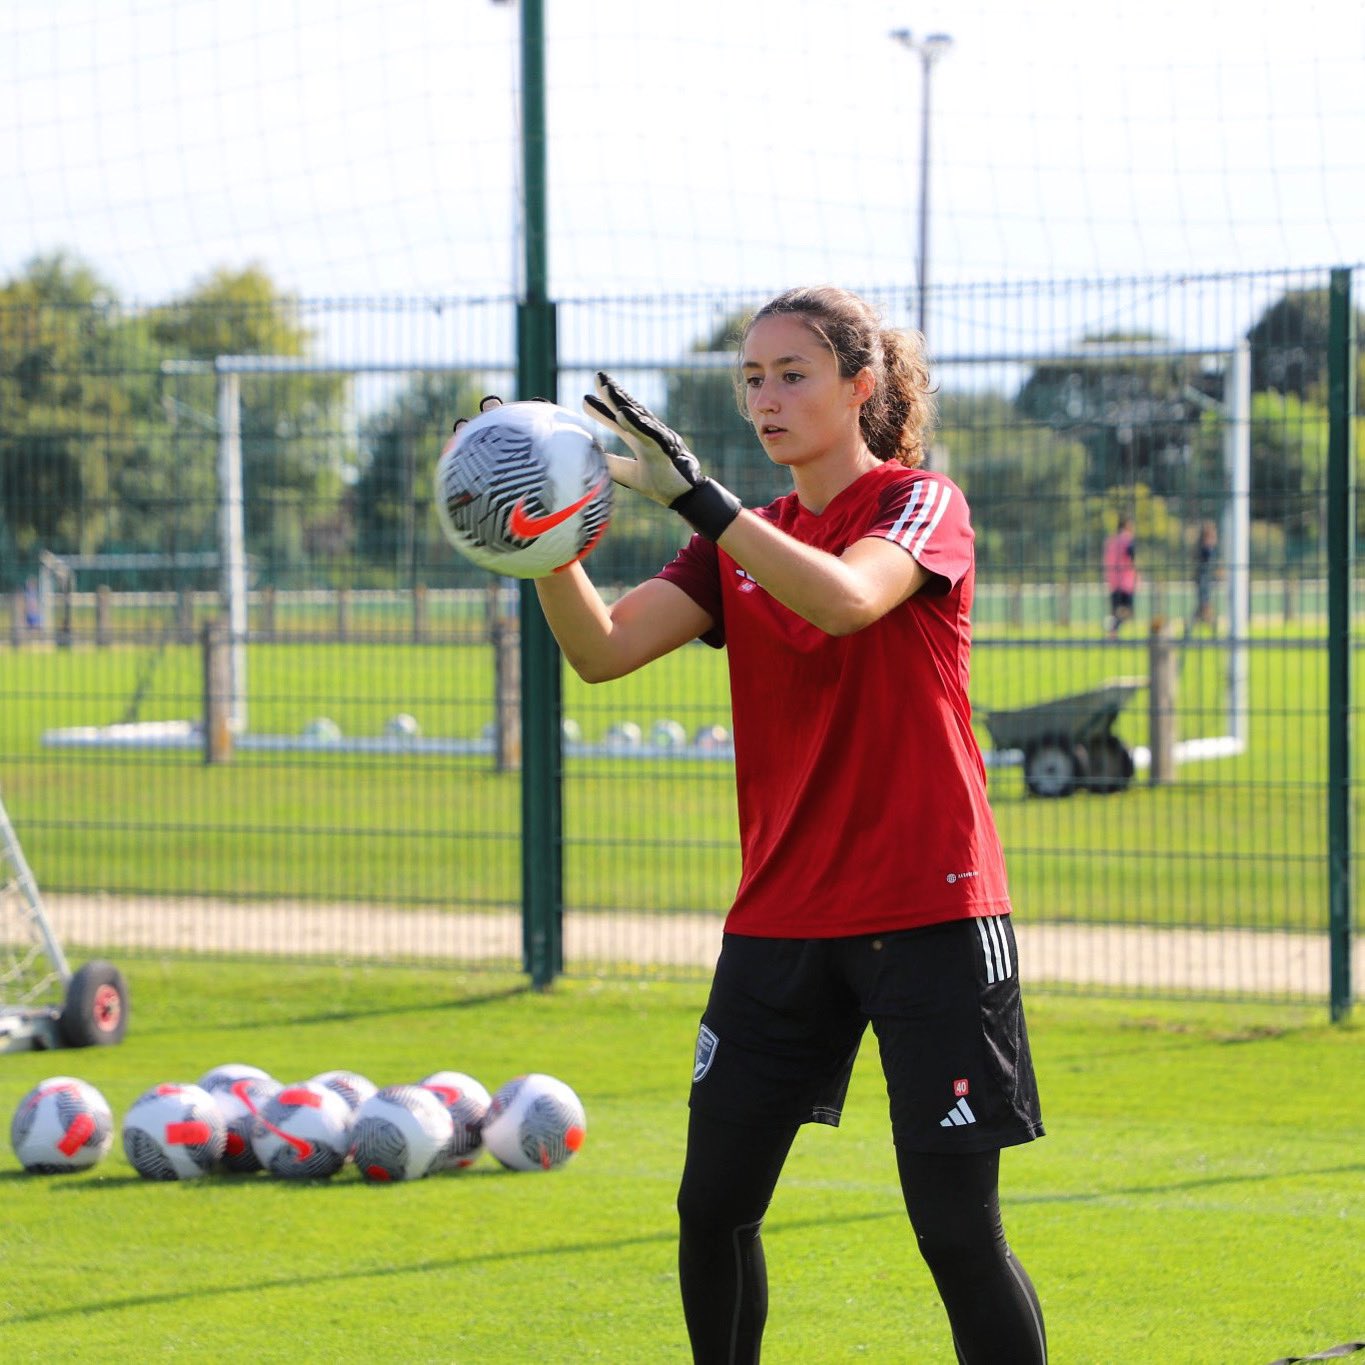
(33, 608)
(1205, 576)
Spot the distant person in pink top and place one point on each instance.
(1121, 575)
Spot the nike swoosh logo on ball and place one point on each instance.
(526, 527)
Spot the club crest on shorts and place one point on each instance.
(707, 1042)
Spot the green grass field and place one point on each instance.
(1236, 841)
(1200, 1197)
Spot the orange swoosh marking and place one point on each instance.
(526, 527)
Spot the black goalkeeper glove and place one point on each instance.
(663, 470)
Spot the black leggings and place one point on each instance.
(954, 1206)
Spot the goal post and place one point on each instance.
(1236, 534)
(234, 582)
(232, 542)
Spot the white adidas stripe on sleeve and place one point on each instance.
(923, 511)
(945, 494)
(908, 511)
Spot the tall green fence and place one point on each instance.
(290, 721)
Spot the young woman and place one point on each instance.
(873, 885)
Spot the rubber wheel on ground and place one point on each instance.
(1054, 766)
(96, 1010)
(1111, 766)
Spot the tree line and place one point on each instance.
(1051, 466)
(108, 442)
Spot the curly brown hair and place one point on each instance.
(897, 419)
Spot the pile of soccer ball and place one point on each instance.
(238, 1119)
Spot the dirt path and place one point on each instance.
(1226, 960)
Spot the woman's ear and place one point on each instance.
(864, 385)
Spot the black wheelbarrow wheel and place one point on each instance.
(1111, 766)
(1054, 766)
(96, 1010)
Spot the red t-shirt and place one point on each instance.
(862, 793)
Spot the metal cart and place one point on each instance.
(1069, 743)
(43, 1003)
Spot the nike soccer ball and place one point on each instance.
(399, 1132)
(466, 1101)
(230, 1072)
(239, 1104)
(62, 1124)
(535, 1123)
(174, 1132)
(303, 1132)
(523, 489)
(354, 1088)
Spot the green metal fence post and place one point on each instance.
(542, 879)
(1341, 522)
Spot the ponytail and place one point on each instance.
(898, 419)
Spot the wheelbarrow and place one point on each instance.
(1069, 743)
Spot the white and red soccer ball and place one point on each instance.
(523, 489)
(466, 1101)
(399, 1133)
(303, 1132)
(354, 1088)
(174, 1132)
(240, 1104)
(228, 1072)
(62, 1124)
(535, 1123)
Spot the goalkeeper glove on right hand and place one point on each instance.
(664, 469)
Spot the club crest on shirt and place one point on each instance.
(707, 1042)
(747, 581)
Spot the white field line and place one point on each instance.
(1219, 960)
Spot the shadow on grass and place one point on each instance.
(665, 1236)
(132, 1302)
(1183, 1186)
(338, 1016)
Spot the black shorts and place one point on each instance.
(786, 1016)
(1120, 601)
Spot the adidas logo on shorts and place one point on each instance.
(958, 1116)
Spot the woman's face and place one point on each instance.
(800, 406)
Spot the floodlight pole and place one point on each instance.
(929, 49)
